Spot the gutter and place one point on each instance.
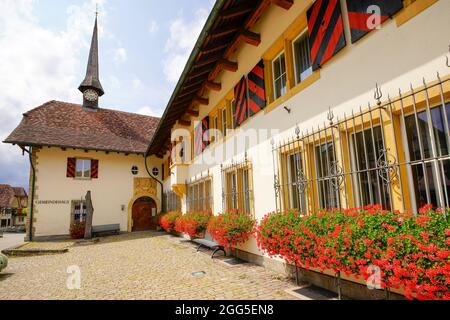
(157, 180)
(33, 185)
(209, 22)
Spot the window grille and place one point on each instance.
(199, 194)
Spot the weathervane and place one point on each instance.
(96, 10)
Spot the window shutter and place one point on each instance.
(94, 169)
(358, 14)
(240, 98)
(256, 89)
(326, 31)
(71, 166)
(200, 140)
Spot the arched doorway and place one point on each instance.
(144, 214)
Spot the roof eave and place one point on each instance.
(209, 22)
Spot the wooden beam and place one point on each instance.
(223, 31)
(184, 123)
(236, 11)
(200, 101)
(251, 38)
(228, 65)
(211, 85)
(285, 4)
(192, 113)
(206, 59)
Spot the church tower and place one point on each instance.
(91, 86)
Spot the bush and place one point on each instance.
(231, 228)
(410, 251)
(167, 221)
(193, 223)
(77, 230)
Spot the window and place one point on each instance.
(429, 156)
(302, 58)
(366, 147)
(83, 169)
(79, 210)
(327, 184)
(238, 190)
(295, 176)
(233, 113)
(135, 170)
(224, 122)
(199, 197)
(279, 76)
(173, 202)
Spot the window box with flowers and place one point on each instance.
(411, 251)
(193, 224)
(168, 221)
(231, 228)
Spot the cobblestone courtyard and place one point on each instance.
(138, 266)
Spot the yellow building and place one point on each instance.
(312, 105)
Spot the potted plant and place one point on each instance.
(77, 230)
(168, 220)
(193, 224)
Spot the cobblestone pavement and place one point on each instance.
(146, 265)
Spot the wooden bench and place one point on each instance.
(106, 229)
(209, 243)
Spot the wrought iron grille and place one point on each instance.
(395, 153)
(237, 186)
(199, 194)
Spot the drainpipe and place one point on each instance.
(33, 184)
(157, 180)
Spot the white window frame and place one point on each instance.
(307, 73)
(274, 79)
(84, 160)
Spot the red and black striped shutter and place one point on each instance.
(94, 169)
(200, 139)
(359, 15)
(240, 99)
(71, 166)
(256, 89)
(326, 31)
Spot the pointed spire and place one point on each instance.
(92, 80)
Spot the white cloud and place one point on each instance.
(137, 83)
(149, 111)
(183, 35)
(120, 55)
(153, 27)
(37, 65)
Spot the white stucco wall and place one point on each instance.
(112, 190)
(393, 57)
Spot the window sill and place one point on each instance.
(292, 92)
(413, 10)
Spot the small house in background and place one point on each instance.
(13, 205)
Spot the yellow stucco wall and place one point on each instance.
(112, 192)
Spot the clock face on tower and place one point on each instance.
(90, 95)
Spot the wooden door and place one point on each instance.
(144, 215)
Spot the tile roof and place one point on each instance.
(62, 124)
(20, 192)
(6, 195)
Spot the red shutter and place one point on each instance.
(71, 166)
(256, 89)
(326, 31)
(358, 14)
(94, 169)
(240, 99)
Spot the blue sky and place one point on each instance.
(144, 45)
